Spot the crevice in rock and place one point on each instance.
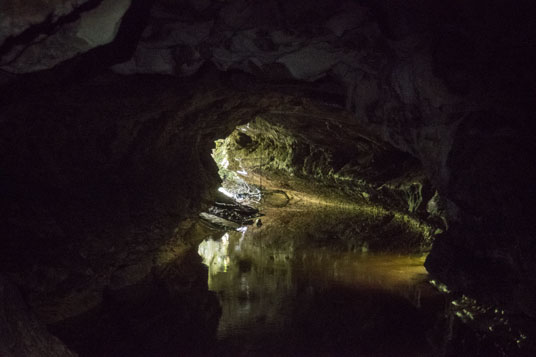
(46, 28)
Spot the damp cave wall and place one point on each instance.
(450, 83)
(331, 156)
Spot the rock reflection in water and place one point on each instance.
(284, 290)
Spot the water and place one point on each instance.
(293, 286)
(307, 282)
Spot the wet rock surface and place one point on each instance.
(235, 212)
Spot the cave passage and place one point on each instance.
(313, 244)
(302, 264)
(360, 146)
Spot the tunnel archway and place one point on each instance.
(287, 159)
(161, 173)
(298, 229)
(136, 205)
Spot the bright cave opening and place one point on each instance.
(265, 164)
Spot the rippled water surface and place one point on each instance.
(291, 287)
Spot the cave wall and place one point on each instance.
(449, 83)
(334, 159)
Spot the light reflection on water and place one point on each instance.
(279, 293)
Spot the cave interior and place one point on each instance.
(201, 177)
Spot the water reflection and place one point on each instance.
(290, 287)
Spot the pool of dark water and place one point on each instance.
(289, 288)
(306, 282)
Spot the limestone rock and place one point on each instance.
(311, 62)
(350, 17)
(61, 30)
(15, 17)
(21, 334)
(130, 274)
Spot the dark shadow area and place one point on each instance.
(169, 314)
(339, 321)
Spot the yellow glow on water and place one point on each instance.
(263, 273)
(353, 269)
